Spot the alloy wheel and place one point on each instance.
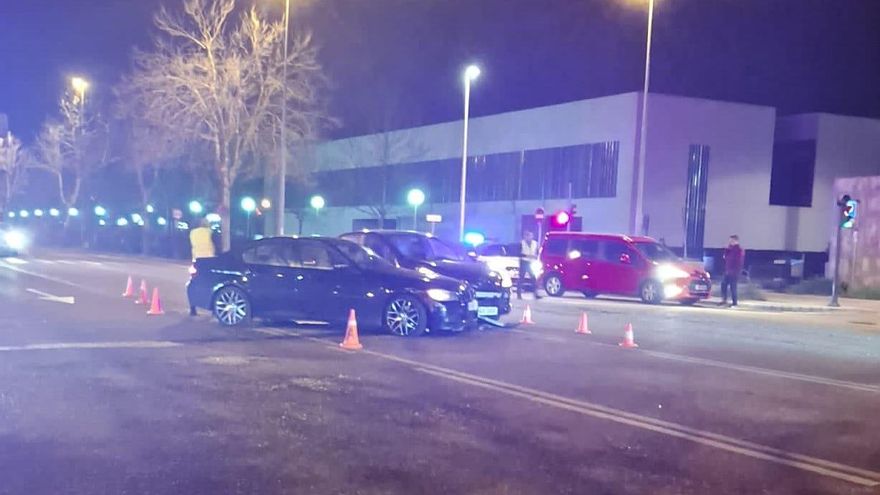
(402, 317)
(231, 306)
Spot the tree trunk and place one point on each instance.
(226, 216)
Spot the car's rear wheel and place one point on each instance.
(553, 285)
(405, 316)
(651, 292)
(231, 307)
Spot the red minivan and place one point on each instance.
(621, 265)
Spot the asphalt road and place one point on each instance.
(98, 397)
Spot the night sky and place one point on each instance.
(397, 62)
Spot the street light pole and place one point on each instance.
(471, 73)
(282, 173)
(643, 132)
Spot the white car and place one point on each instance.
(504, 259)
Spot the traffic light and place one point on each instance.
(848, 211)
(561, 219)
(572, 211)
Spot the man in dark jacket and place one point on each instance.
(733, 265)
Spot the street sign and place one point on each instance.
(539, 214)
(176, 213)
(433, 218)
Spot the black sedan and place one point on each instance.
(320, 279)
(433, 258)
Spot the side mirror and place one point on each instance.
(625, 259)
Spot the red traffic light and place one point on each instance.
(562, 218)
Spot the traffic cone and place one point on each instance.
(142, 294)
(583, 326)
(527, 316)
(351, 341)
(629, 341)
(129, 288)
(156, 305)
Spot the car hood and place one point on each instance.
(470, 271)
(692, 267)
(413, 278)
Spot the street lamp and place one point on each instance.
(100, 211)
(643, 130)
(282, 173)
(248, 204)
(72, 212)
(38, 212)
(415, 198)
(470, 74)
(317, 202)
(265, 204)
(80, 86)
(196, 208)
(53, 212)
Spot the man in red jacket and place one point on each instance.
(733, 265)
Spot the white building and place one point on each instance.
(708, 174)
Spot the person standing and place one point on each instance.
(201, 240)
(733, 265)
(528, 253)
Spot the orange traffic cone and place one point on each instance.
(527, 316)
(583, 326)
(351, 341)
(156, 305)
(629, 341)
(129, 288)
(142, 294)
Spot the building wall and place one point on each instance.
(845, 147)
(610, 118)
(740, 138)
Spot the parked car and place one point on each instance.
(433, 257)
(617, 264)
(320, 279)
(13, 241)
(505, 258)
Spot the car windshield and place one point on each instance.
(655, 251)
(425, 248)
(362, 256)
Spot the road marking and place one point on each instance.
(16, 261)
(135, 344)
(816, 465)
(813, 464)
(45, 296)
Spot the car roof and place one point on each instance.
(388, 231)
(605, 236)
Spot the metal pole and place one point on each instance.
(467, 98)
(415, 217)
(248, 228)
(836, 278)
(282, 173)
(643, 133)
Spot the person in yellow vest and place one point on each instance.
(201, 240)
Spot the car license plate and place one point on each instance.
(487, 295)
(473, 305)
(488, 311)
(701, 287)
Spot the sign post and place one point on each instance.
(539, 219)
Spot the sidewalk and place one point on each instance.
(804, 303)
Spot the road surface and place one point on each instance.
(98, 397)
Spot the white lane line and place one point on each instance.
(862, 387)
(16, 261)
(135, 344)
(815, 465)
(45, 296)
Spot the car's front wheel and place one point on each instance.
(553, 285)
(232, 307)
(405, 316)
(651, 292)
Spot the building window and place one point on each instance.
(791, 179)
(590, 170)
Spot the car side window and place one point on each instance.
(584, 248)
(314, 254)
(613, 250)
(556, 247)
(379, 247)
(268, 254)
(494, 250)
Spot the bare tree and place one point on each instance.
(71, 148)
(12, 169)
(216, 79)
